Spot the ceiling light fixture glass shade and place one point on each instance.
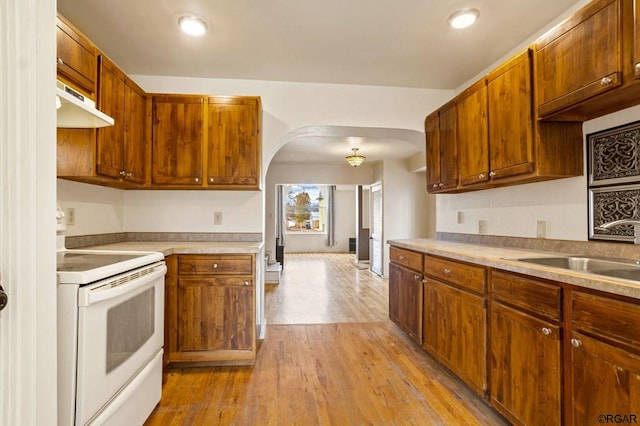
(464, 18)
(355, 160)
(192, 25)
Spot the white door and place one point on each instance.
(27, 222)
(376, 228)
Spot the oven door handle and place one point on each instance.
(110, 289)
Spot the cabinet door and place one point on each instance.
(448, 147)
(432, 133)
(233, 142)
(511, 118)
(405, 300)
(111, 101)
(526, 372)
(76, 55)
(473, 135)
(177, 140)
(135, 134)
(605, 380)
(215, 313)
(581, 58)
(455, 332)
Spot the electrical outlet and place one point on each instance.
(482, 226)
(217, 218)
(460, 217)
(71, 216)
(541, 229)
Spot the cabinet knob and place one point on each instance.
(210, 180)
(246, 283)
(435, 185)
(214, 266)
(638, 67)
(401, 257)
(129, 175)
(605, 81)
(576, 343)
(492, 174)
(482, 176)
(122, 173)
(416, 277)
(196, 180)
(59, 61)
(447, 272)
(546, 331)
(441, 184)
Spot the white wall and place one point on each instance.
(345, 227)
(513, 211)
(286, 106)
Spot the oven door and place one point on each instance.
(120, 331)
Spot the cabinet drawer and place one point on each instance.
(215, 265)
(408, 258)
(536, 297)
(615, 319)
(473, 278)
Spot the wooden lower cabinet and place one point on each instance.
(212, 310)
(405, 300)
(526, 372)
(455, 331)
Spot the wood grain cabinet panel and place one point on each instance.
(234, 142)
(473, 134)
(121, 151)
(442, 149)
(177, 140)
(455, 332)
(77, 61)
(211, 310)
(405, 300)
(466, 276)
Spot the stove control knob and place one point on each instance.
(4, 299)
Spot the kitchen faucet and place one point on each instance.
(634, 222)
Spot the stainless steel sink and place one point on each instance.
(617, 268)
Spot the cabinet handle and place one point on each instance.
(246, 283)
(122, 173)
(196, 180)
(416, 277)
(605, 81)
(447, 272)
(576, 343)
(210, 180)
(482, 176)
(435, 185)
(441, 184)
(546, 331)
(215, 266)
(638, 67)
(401, 257)
(129, 175)
(492, 174)
(59, 61)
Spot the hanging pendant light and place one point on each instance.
(355, 160)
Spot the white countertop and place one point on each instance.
(184, 247)
(504, 258)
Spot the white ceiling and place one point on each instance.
(404, 43)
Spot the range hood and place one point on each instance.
(76, 111)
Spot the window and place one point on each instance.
(305, 208)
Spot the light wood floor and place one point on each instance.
(331, 357)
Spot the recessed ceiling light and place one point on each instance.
(464, 18)
(192, 25)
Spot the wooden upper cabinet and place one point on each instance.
(177, 139)
(586, 56)
(121, 148)
(511, 118)
(442, 149)
(473, 134)
(233, 142)
(76, 58)
(636, 39)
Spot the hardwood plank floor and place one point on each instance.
(343, 363)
